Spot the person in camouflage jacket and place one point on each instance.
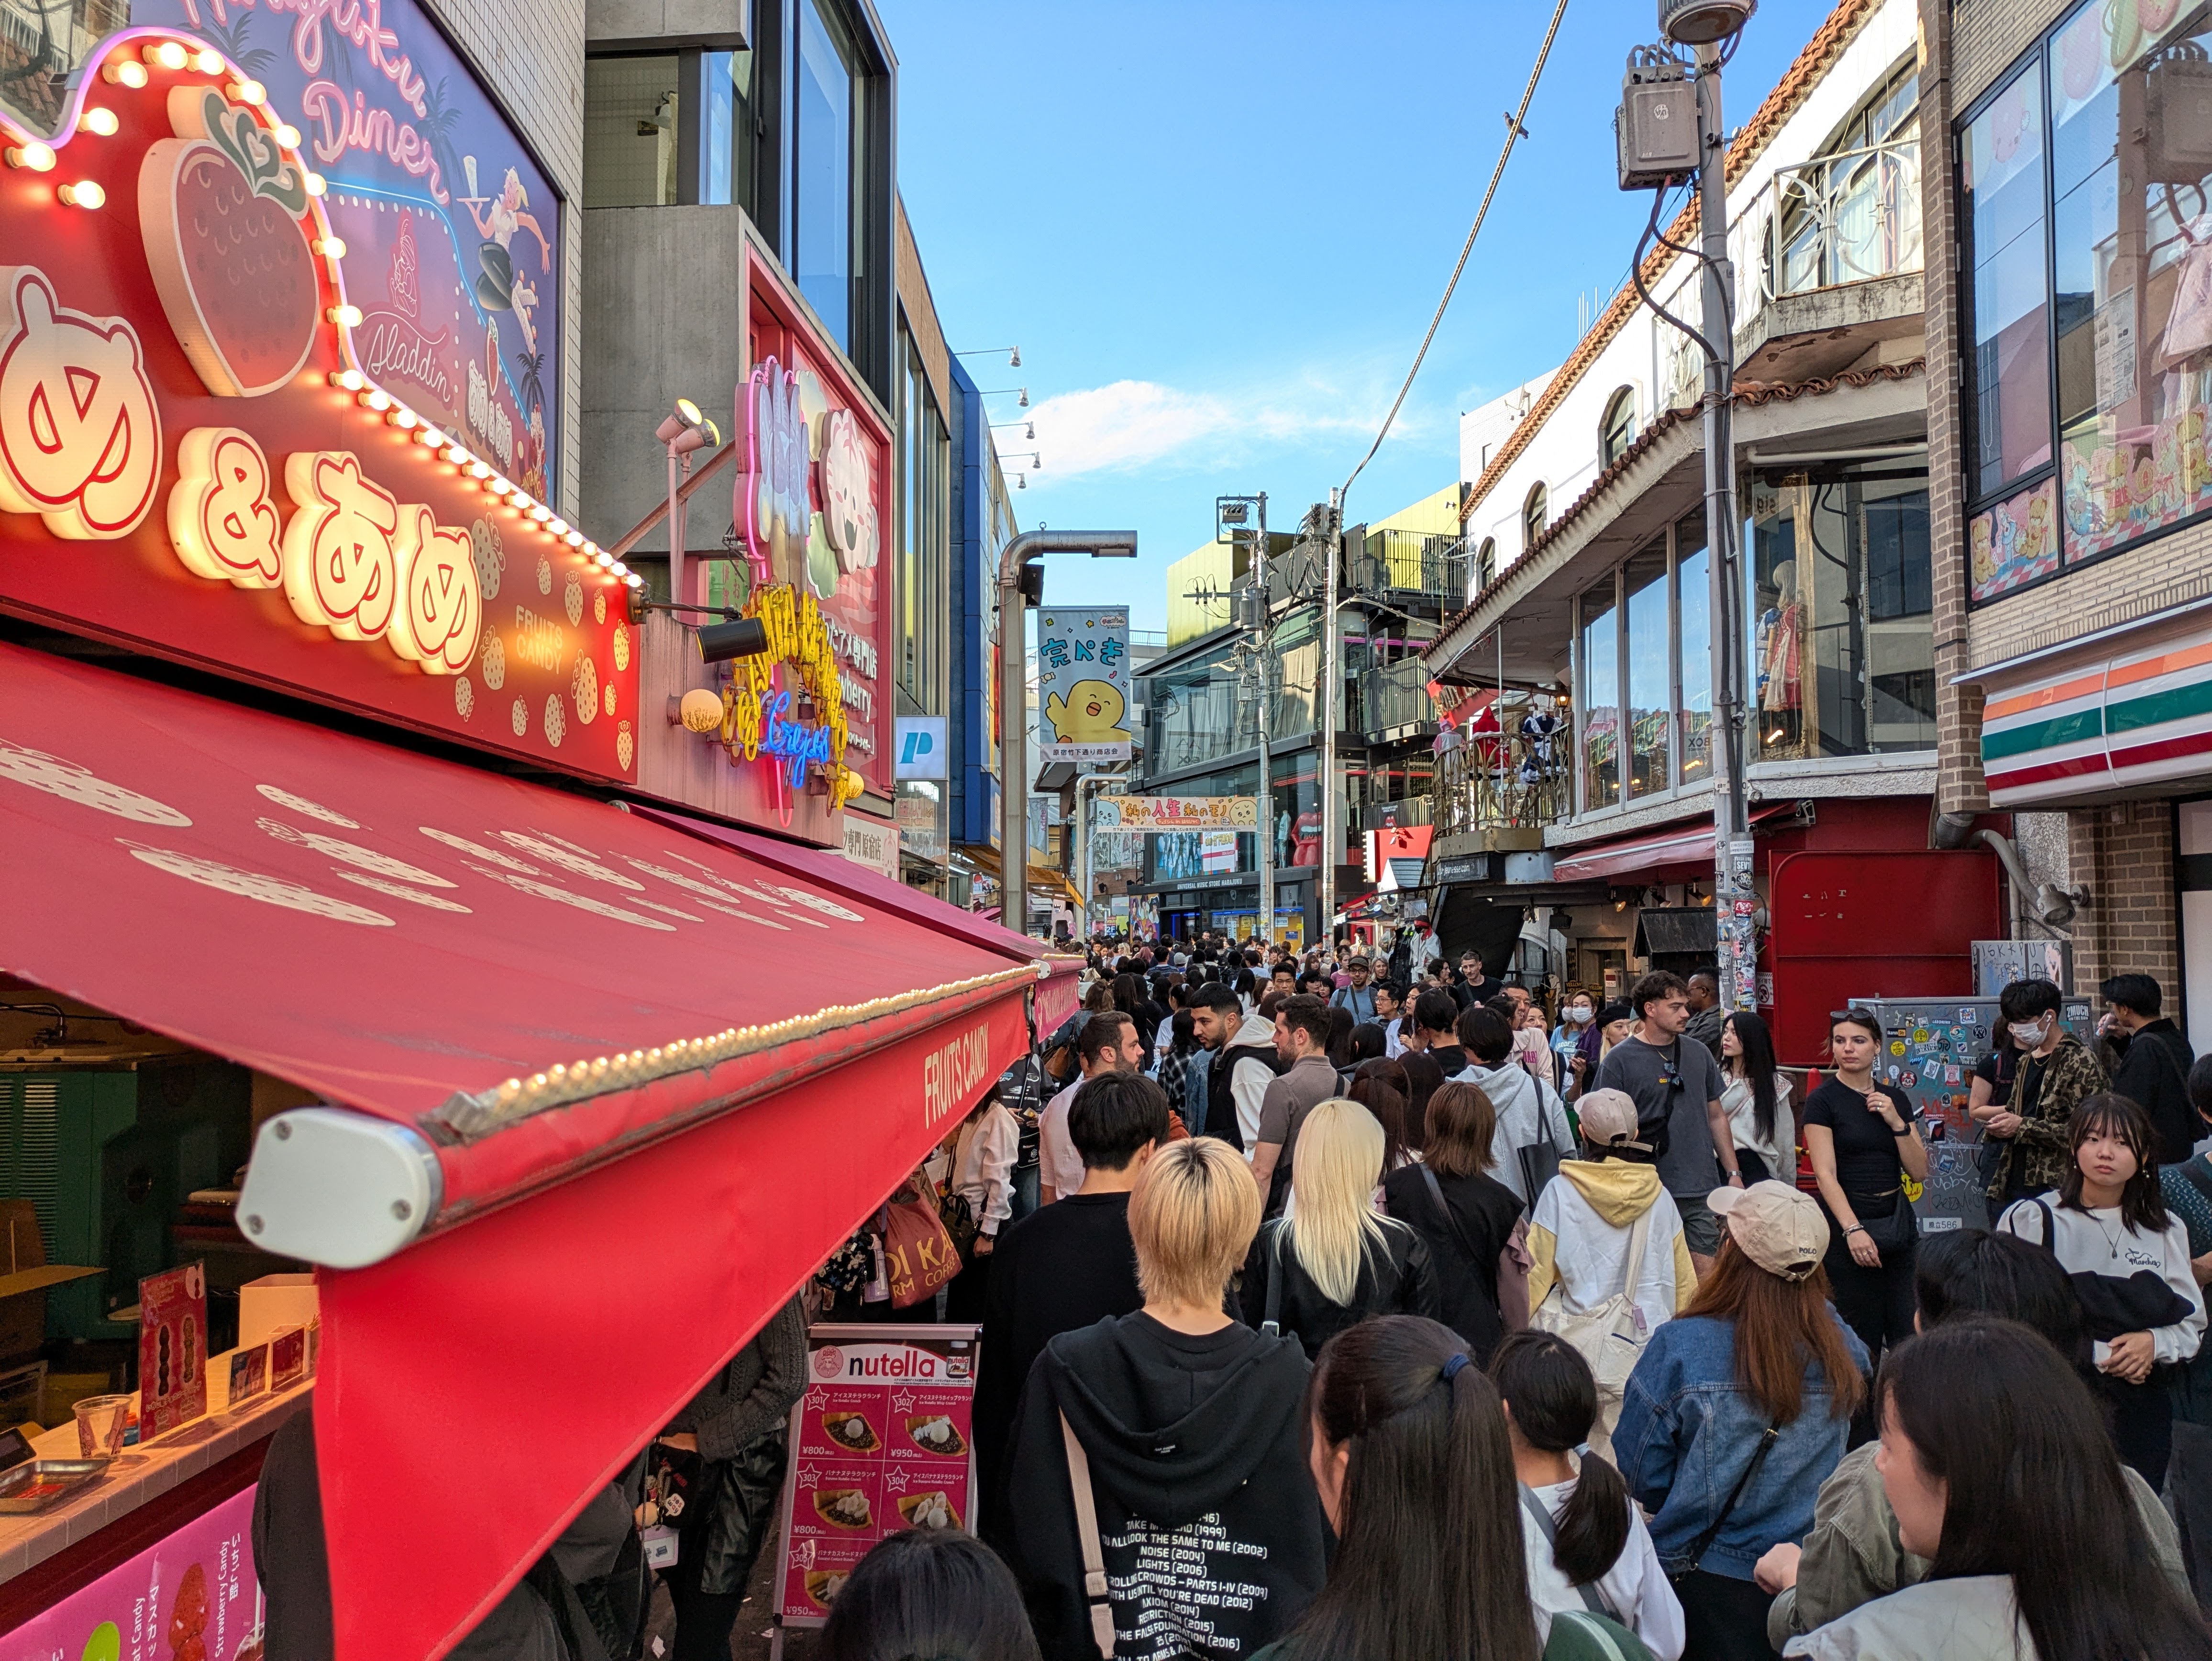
(2044, 1140)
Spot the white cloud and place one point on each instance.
(1130, 424)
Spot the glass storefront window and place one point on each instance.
(1693, 587)
(2004, 198)
(1843, 649)
(822, 166)
(1650, 665)
(1600, 677)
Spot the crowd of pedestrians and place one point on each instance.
(1364, 1309)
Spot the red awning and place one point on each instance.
(400, 934)
(1056, 998)
(1679, 851)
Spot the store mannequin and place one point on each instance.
(1781, 664)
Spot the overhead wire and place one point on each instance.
(1513, 133)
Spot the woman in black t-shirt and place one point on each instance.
(1482, 1290)
(1863, 1142)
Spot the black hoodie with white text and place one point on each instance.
(1210, 1528)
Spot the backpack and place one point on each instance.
(1610, 1338)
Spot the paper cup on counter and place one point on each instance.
(100, 1423)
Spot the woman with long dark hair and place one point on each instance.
(1997, 1468)
(1375, 1095)
(1737, 1411)
(2128, 1259)
(1757, 1098)
(1471, 1221)
(1586, 1541)
(1341, 1026)
(1410, 1453)
(1423, 1078)
(1861, 1139)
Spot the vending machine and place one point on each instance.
(1930, 1048)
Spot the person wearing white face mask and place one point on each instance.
(1576, 1014)
(2057, 1073)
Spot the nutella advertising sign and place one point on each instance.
(882, 1440)
(209, 451)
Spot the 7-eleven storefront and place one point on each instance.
(2117, 731)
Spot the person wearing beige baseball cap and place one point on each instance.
(1738, 1410)
(1609, 1263)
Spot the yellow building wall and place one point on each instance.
(1208, 570)
(1432, 515)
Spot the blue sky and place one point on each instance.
(1217, 230)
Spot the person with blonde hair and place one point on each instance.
(1157, 1490)
(1331, 1261)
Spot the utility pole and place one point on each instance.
(1229, 514)
(1325, 710)
(1733, 900)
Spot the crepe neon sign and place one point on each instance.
(756, 717)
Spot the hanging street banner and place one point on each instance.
(1147, 815)
(1083, 684)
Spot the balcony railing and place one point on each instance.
(1388, 699)
(1411, 563)
(1508, 780)
(1849, 217)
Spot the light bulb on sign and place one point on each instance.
(573, 538)
(403, 418)
(430, 438)
(288, 135)
(349, 380)
(315, 184)
(169, 55)
(501, 487)
(82, 194)
(210, 61)
(99, 120)
(478, 470)
(330, 247)
(537, 511)
(376, 398)
(248, 92)
(123, 74)
(559, 527)
(39, 158)
(345, 316)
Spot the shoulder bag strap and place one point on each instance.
(1593, 1599)
(1451, 1217)
(1640, 1237)
(1704, 1543)
(1086, 1530)
(2050, 1227)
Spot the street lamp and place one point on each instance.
(1021, 403)
(1013, 698)
(684, 431)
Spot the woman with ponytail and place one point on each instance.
(1586, 1544)
(1409, 1452)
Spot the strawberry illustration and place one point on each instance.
(223, 217)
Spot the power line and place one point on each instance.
(1513, 132)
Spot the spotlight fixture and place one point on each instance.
(743, 637)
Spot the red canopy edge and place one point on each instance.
(478, 1389)
(1057, 995)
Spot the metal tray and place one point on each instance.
(44, 1482)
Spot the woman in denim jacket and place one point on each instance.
(1738, 1411)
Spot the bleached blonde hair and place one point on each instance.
(1340, 1161)
(1192, 1216)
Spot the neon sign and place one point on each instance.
(756, 718)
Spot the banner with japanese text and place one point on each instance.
(1083, 684)
(1152, 814)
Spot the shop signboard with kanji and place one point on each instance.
(1083, 684)
(1151, 815)
(276, 329)
(883, 1440)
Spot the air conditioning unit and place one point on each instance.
(2178, 115)
(1656, 127)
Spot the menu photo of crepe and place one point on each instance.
(823, 1586)
(843, 1508)
(929, 1510)
(935, 1433)
(851, 1430)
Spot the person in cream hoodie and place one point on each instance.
(1579, 1233)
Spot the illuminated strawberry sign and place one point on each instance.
(196, 459)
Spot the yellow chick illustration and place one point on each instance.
(1089, 713)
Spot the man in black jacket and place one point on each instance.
(2154, 1062)
(1189, 1433)
(1067, 1265)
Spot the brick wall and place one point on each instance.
(913, 299)
(530, 59)
(2124, 855)
(1987, 38)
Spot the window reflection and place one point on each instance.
(2003, 182)
(822, 169)
(1601, 676)
(1693, 584)
(1842, 652)
(1651, 661)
